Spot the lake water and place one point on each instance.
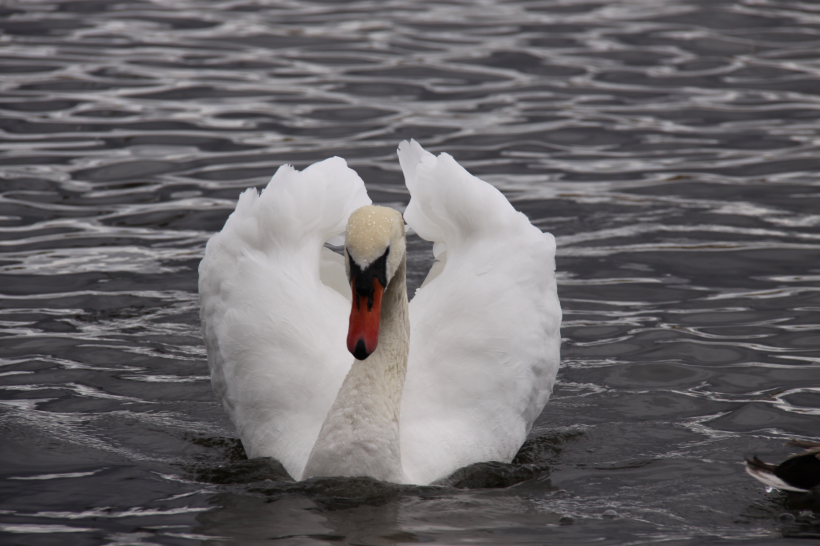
(673, 149)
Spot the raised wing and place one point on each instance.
(484, 328)
(275, 332)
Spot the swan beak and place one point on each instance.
(363, 332)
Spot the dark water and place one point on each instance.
(673, 148)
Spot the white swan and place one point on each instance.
(484, 339)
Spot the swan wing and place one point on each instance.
(484, 327)
(273, 308)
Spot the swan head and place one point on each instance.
(374, 249)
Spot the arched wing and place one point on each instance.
(484, 328)
(273, 313)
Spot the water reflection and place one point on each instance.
(670, 147)
(376, 515)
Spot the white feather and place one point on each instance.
(275, 333)
(484, 327)
(484, 332)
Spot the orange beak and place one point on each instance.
(363, 332)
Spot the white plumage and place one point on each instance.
(484, 327)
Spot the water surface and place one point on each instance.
(672, 148)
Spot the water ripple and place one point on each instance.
(671, 148)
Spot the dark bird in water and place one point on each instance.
(800, 472)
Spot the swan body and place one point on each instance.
(457, 376)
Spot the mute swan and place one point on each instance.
(456, 377)
(800, 472)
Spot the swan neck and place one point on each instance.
(360, 436)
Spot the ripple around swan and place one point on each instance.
(670, 147)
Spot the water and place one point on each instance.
(671, 147)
